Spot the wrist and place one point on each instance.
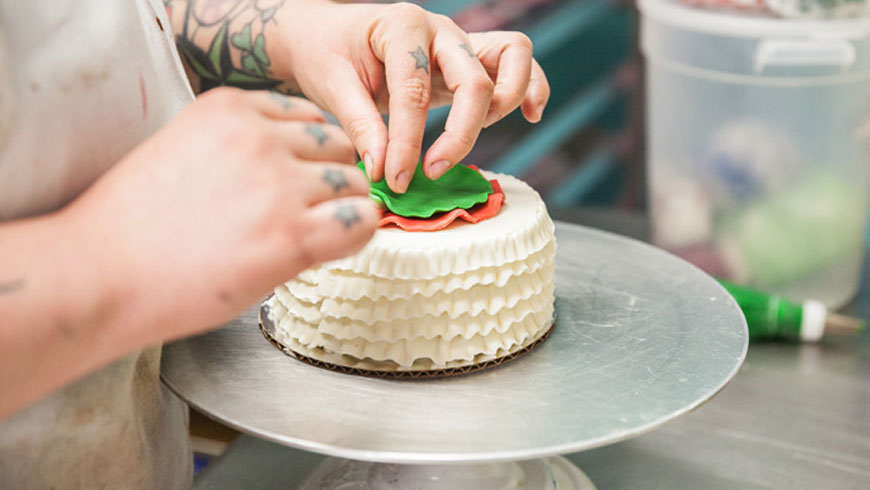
(288, 37)
(88, 294)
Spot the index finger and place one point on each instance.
(472, 93)
(409, 84)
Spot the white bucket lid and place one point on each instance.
(755, 47)
(738, 24)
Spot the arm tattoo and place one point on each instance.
(9, 287)
(420, 58)
(336, 180)
(347, 215)
(468, 50)
(316, 131)
(223, 41)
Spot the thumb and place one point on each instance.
(359, 116)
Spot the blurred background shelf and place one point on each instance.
(586, 151)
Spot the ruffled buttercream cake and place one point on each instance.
(418, 301)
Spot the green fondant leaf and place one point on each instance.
(460, 188)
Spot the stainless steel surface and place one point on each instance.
(554, 473)
(794, 418)
(641, 338)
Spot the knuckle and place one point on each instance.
(504, 103)
(358, 127)
(482, 84)
(465, 140)
(522, 40)
(414, 93)
(307, 106)
(443, 20)
(406, 11)
(257, 142)
(545, 89)
(226, 97)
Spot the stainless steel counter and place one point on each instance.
(795, 417)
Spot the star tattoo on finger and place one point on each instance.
(336, 179)
(317, 132)
(281, 99)
(347, 215)
(468, 50)
(420, 58)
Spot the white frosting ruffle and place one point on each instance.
(404, 352)
(393, 329)
(488, 298)
(318, 283)
(477, 300)
(462, 295)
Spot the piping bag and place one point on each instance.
(772, 317)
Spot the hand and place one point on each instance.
(358, 60)
(240, 192)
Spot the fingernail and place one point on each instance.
(367, 160)
(539, 110)
(402, 180)
(437, 169)
(491, 118)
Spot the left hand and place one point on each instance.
(351, 58)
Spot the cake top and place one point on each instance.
(460, 188)
(521, 227)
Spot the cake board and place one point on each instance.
(641, 338)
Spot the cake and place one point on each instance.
(468, 295)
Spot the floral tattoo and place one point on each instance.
(224, 43)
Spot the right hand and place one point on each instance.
(240, 192)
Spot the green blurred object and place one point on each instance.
(790, 235)
(772, 317)
(459, 188)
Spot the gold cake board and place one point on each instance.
(388, 370)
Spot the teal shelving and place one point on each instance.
(580, 44)
(590, 174)
(556, 128)
(549, 33)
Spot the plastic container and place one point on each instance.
(758, 146)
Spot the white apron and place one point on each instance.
(81, 83)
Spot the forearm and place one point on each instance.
(56, 318)
(230, 43)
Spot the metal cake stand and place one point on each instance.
(641, 338)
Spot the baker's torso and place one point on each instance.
(82, 83)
